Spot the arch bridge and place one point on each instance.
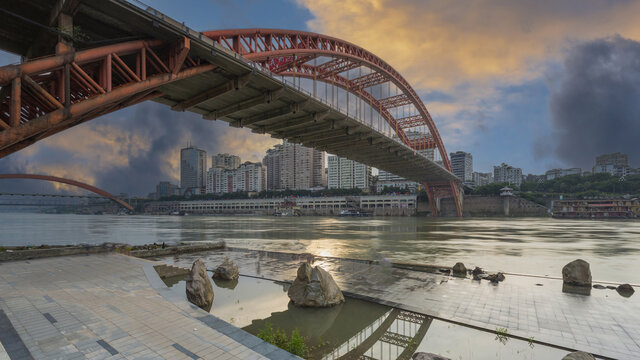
(78, 184)
(84, 59)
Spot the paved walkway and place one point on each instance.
(109, 307)
(604, 323)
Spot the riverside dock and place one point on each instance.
(113, 306)
(529, 307)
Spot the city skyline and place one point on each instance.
(523, 105)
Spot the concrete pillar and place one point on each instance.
(505, 205)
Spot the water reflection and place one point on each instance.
(545, 245)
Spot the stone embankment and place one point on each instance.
(145, 251)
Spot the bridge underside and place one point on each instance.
(192, 73)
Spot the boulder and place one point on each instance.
(228, 270)
(199, 288)
(579, 355)
(625, 290)
(427, 356)
(574, 289)
(314, 287)
(459, 270)
(495, 278)
(577, 273)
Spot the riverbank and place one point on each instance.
(13, 253)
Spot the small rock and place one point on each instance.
(495, 278)
(477, 271)
(539, 285)
(428, 356)
(598, 286)
(577, 273)
(625, 290)
(579, 355)
(459, 270)
(228, 270)
(199, 288)
(611, 287)
(314, 287)
(444, 271)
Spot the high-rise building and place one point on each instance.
(272, 161)
(249, 177)
(165, 189)
(480, 179)
(193, 163)
(225, 161)
(462, 166)
(508, 174)
(301, 167)
(557, 173)
(616, 164)
(613, 159)
(347, 174)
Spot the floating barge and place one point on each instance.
(597, 209)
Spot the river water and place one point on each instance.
(539, 246)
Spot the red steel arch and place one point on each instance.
(292, 51)
(81, 185)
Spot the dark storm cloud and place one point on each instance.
(596, 107)
(162, 131)
(167, 131)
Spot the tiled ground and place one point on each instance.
(604, 323)
(109, 307)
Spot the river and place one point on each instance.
(539, 246)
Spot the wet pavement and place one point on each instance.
(605, 323)
(109, 307)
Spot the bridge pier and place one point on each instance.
(437, 191)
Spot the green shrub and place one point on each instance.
(294, 344)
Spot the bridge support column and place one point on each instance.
(65, 24)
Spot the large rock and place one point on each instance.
(625, 290)
(577, 273)
(314, 287)
(459, 270)
(428, 356)
(228, 270)
(579, 355)
(199, 288)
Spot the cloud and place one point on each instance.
(440, 43)
(595, 107)
(472, 51)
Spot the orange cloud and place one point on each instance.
(247, 145)
(441, 43)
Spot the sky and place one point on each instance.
(535, 84)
